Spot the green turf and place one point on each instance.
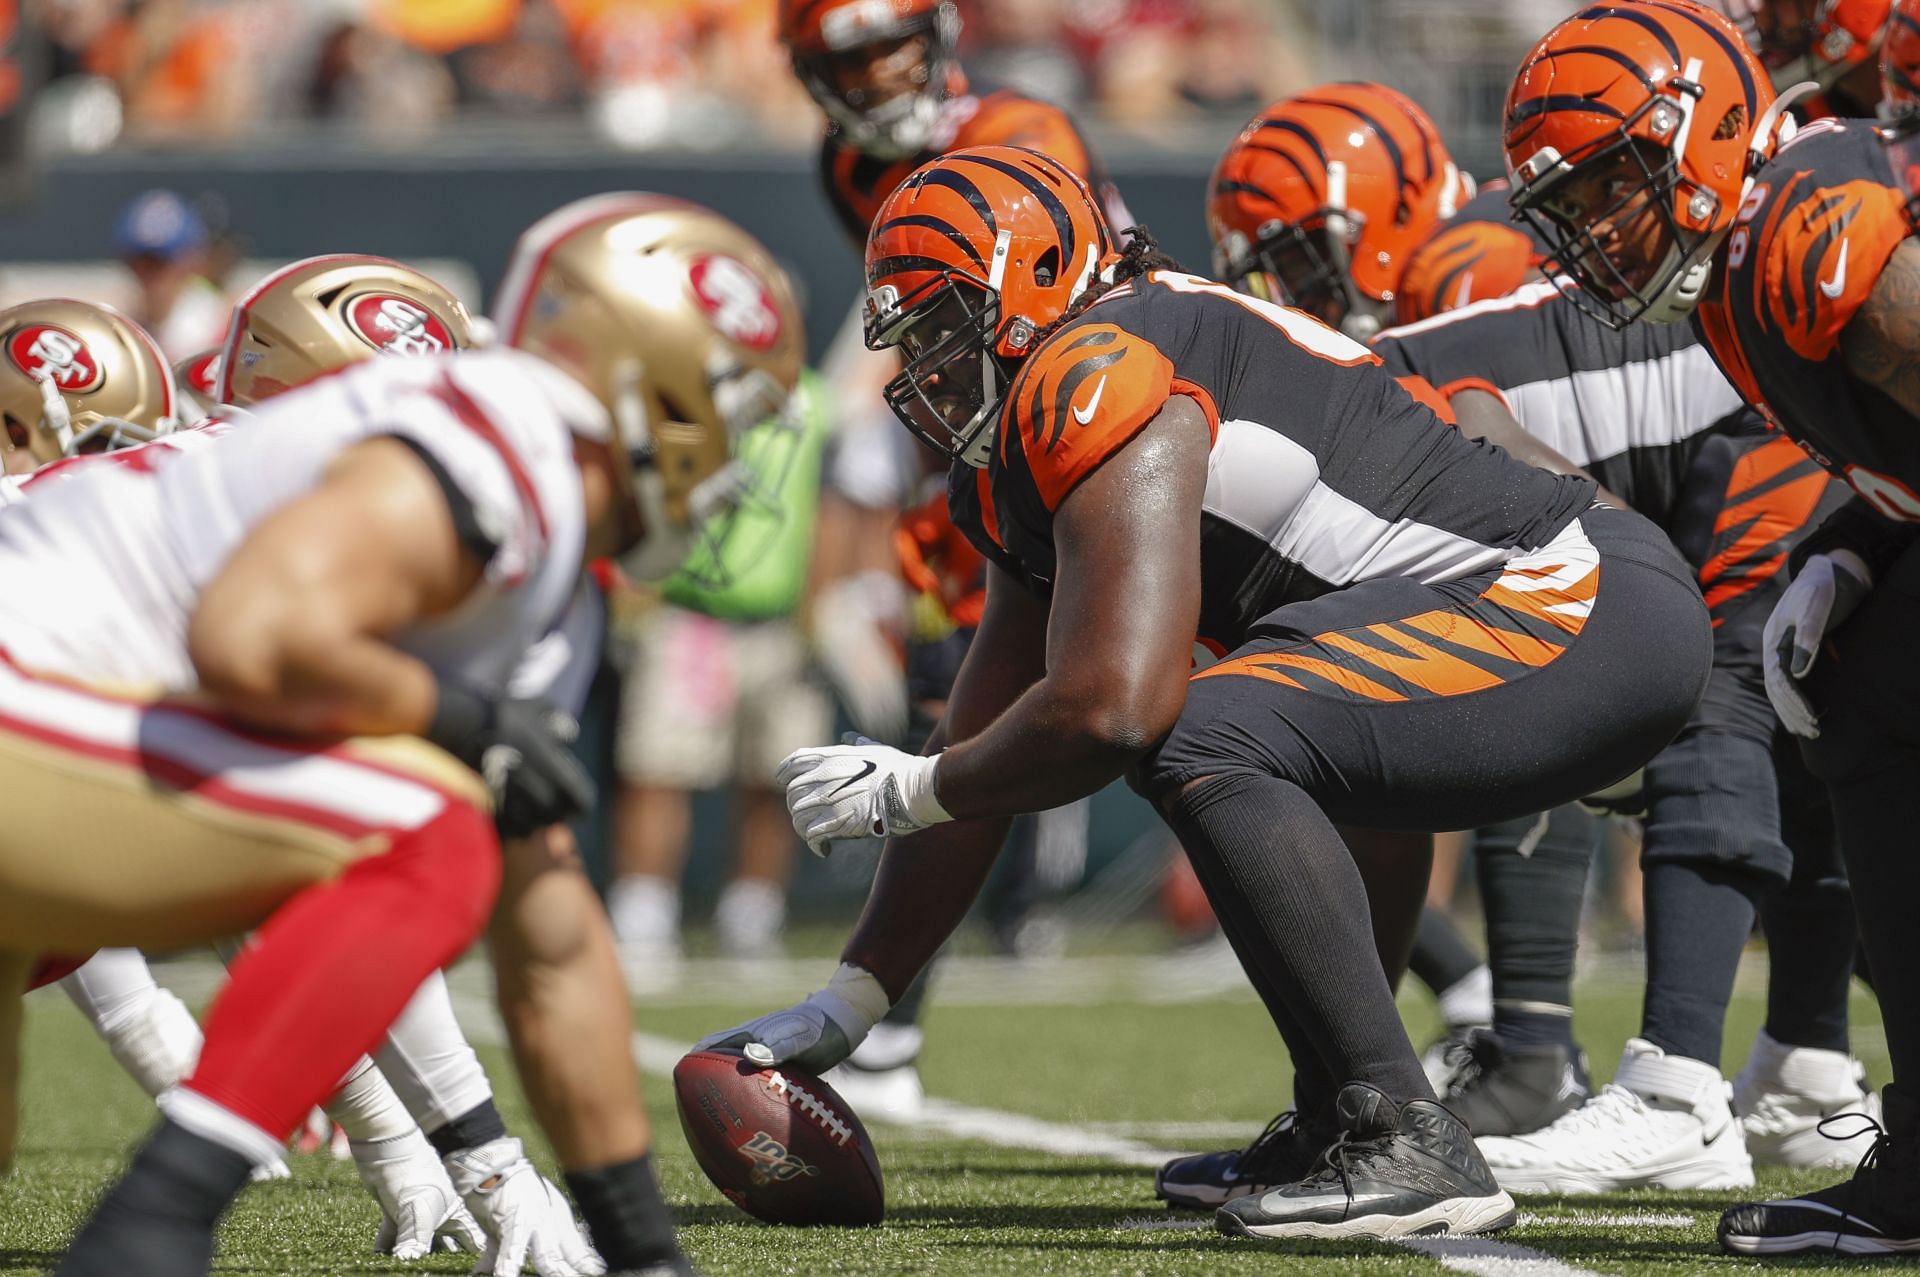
(954, 1207)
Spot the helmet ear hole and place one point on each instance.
(1047, 269)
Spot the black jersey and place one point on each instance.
(1324, 471)
(1631, 406)
(1822, 220)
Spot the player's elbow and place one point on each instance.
(1129, 715)
(240, 647)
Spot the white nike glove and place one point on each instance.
(526, 1218)
(816, 1034)
(418, 1204)
(1824, 593)
(868, 790)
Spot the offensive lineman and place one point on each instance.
(1344, 564)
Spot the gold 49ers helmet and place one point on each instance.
(675, 319)
(327, 312)
(79, 377)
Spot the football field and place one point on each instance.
(1056, 1087)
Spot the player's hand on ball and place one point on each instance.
(815, 1034)
(1824, 593)
(526, 1218)
(865, 790)
(419, 1207)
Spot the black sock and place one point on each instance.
(1699, 916)
(159, 1218)
(628, 1219)
(1811, 936)
(1874, 813)
(1811, 940)
(1442, 957)
(1533, 880)
(1289, 896)
(479, 1125)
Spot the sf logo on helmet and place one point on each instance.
(396, 326)
(43, 351)
(736, 301)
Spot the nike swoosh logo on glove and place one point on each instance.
(866, 769)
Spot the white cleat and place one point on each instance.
(1785, 1092)
(880, 1079)
(1663, 1122)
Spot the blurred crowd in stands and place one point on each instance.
(645, 73)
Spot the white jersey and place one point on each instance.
(100, 574)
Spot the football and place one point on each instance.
(778, 1142)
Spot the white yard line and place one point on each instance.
(1485, 1257)
(1477, 1256)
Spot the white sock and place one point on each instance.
(366, 1107)
(1468, 1001)
(644, 909)
(149, 1030)
(429, 1062)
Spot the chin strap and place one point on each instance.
(1775, 116)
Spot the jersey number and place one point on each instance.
(1301, 329)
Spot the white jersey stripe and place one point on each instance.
(1654, 403)
(326, 784)
(1266, 484)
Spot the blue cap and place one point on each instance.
(159, 224)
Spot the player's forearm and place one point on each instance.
(1053, 746)
(922, 891)
(565, 1005)
(317, 683)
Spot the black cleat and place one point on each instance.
(1877, 1212)
(1278, 1155)
(158, 1221)
(1502, 1090)
(1411, 1171)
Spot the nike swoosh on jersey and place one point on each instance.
(1833, 287)
(1084, 415)
(866, 769)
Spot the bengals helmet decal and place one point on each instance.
(1323, 197)
(969, 260)
(1464, 264)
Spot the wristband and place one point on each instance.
(861, 995)
(460, 718)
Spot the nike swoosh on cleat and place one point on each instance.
(1337, 1199)
(1833, 287)
(1086, 415)
(867, 769)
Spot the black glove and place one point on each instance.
(519, 747)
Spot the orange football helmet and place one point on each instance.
(1642, 120)
(1900, 62)
(1818, 40)
(1320, 201)
(1461, 265)
(969, 260)
(828, 38)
